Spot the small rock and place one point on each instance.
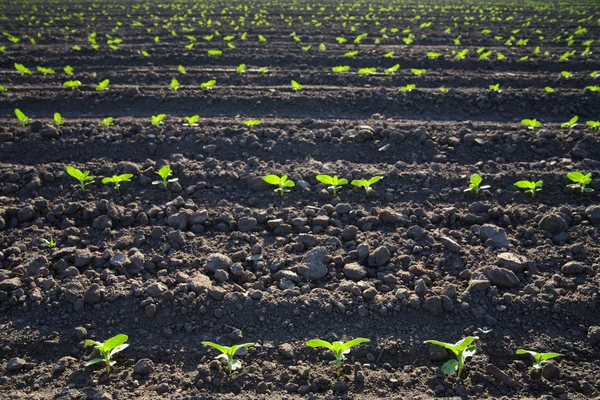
(511, 261)
(594, 335)
(8, 285)
(420, 288)
(93, 294)
(82, 258)
(433, 305)
(199, 283)
(493, 236)
(119, 260)
(379, 257)
(354, 271)
(553, 223)
(16, 364)
(572, 267)
(217, 261)
(415, 232)
(246, 224)
(313, 264)
(593, 213)
(156, 289)
(501, 277)
(450, 244)
(286, 350)
(144, 366)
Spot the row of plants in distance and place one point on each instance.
(463, 349)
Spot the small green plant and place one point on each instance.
(566, 74)
(208, 84)
(158, 119)
(165, 172)
(215, 52)
(68, 70)
(495, 88)
(341, 69)
(408, 88)
(102, 86)
(461, 349)
(50, 244)
(351, 53)
(296, 86)
(116, 180)
(191, 121)
(530, 186)
(58, 119)
(174, 85)
(283, 183)
(580, 181)
(531, 123)
(339, 349)
(3, 89)
(263, 70)
(251, 123)
(241, 69)
(593, 88)
(595, 125)
(548, 89)
(444, 89)
(45, 71)
(392, 70)
(107, 349)
(181, 69)
(389, 54)
(570, 124)
(335, 182)
(72, 84)
(22, 69)
(228, 353)
(474, 183)
(107, 122)
(418, 72)
(433, 55)
(83, 177)
(367, 71)
(539, 358)
(23, 119)
(366, 183)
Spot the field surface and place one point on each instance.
(219, 256)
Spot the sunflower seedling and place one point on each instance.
(48, 243)
(392, 70)
(570, 124)
(474, 183)
(595, 125)
(251, 123)
(283, 184)
(72, 84)
(339, 349)
(116, 180)
(228, 353)
(22, 69)
(107, 122)
(341, 69)
(102, 86)
(580, 181)
(158, 119)
(58, 119)
(107, 349)
(334, 181)
(366, 183)
(174, 85)
(530, 186)
(296, 86)
(208, 84)
(191, 121)
(83, 177)
(461, 349)
(539, 358)
(531, 123)
(241, 69)
(165, 172)
(495, 88)
(23, 119)
(45, 71)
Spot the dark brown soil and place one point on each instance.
(419, 259)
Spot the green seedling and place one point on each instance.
(392, 70)
(531, 123)
(181, 69)
(580, 181)
(474, 183)
(83, 177)
(539, 358)
(570, 124)
(107, 122)
(283, 184)
(174, 85)
(107, 349)
(566, 74)
(3, 89)
(58, 119)
(251, 123)
(263, 70)
(165, 172)
(367, 71)
(158, 119)
(408, 88)
(418, 72)
(116, 180)
(461, 349)
(102, 85)
(339, 349)
(145, 53)
(548, 89)
(389, 54)
(241, 69)
(593, 88)
(366, 183)
(433, 55)
(191, 121)
(68, 70)
(296, 86)
(45, 71)
(22, 69)
(23, 119)
(530, 186)
(228, 353)
(72, 84)
(208, 85)
(215, 52)
(341, 69)
(351, 53)
(495, 88)
(595, 125)
(444, 89)
(50, 244)
(334, 181)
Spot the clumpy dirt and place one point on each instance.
(220, 257)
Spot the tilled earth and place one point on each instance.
(220, 257)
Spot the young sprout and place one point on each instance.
(72, 84)
(581, 181)
(367, 71)
(366, 183)
(107, 349)
(595, 125)
(333, 181)
(102, 85)
(23, 119)
(531, 123)
(22, 69)
(296, 86)
(408, 88)
(418, 72)
(539, 358)
(474, 184)
(3, 89)
(433, 55)
(251, 123)
(351, 53)
(389, 54)
(461, 349)
(158, 119)
(58, 119)
(495, 88)
(228, 353)
(191, 121)
(83, 177)
(48, 243)
(570, 124)
(181, 69)
(263, 70)
(566, 74)
(548, 89)
(215, 52)
(444, 89)
(339, 349)
(165, 172)
(174, 85)
(45, 71)
(116, 180)
(341, 69)
(208, 85)
(530, 186)
(106, 122)
(241, 69)
(392, 70)
(283, 184)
